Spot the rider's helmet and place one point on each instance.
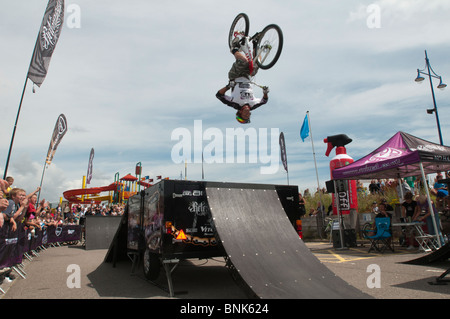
(241, 120)
(243, 114)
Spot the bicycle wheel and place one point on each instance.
(269, 46)
(240, 26)
(367, 230)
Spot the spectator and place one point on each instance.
(386, 205)
(375, 207)
(66, 211)
(8, 186)
(59, 220)
(49, 221)
(4, 203)
(32, 211)
(3, 187)
(71, 221)
(440, 191)
(301, 204)
(17, 206)
(320, 210)
(402, 188)
(374, 187)
(382, 210)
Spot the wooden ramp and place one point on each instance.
(264, 248)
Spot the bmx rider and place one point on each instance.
(241, 98)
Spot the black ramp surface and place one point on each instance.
(265, 249)
(439, 255)
(100, 231)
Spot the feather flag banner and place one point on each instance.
(58, 133)
(48, 36)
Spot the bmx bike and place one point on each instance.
(267, 44)
(327, 228)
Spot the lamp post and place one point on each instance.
(432, 74)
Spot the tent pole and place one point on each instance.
(322, 206)
(399, 181)
(430, 206)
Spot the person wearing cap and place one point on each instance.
(408, 210)
(382, 210)
(440, 190)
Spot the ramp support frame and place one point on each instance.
(168, 270)
(440, 280)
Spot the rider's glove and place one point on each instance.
(265, 89)
(231, 84)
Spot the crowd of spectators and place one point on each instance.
(387, 192)
(17, 207)
(76, 213)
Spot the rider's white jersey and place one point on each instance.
(242, 93)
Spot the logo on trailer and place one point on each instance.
(200, 209)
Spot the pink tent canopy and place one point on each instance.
(401, 156)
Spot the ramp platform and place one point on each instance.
(439, 255)
(265, 250)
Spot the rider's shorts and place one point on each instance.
(240, 69)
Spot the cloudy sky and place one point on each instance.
(129, 75)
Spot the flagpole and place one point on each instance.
(314, 153)
(42, 179)
(15, 126)
(315, 164)
(18, 113)
(56, 33)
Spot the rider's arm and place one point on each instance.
(225, 99)
(261, 102)
(223, 90)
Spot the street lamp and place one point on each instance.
(431, 74)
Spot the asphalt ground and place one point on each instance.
(73, 273)
(396, 280)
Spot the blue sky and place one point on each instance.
(135, 71)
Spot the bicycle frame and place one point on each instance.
(263, 48)
(247, 50)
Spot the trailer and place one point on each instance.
(250, 225)
(172, 221)
(168, 222)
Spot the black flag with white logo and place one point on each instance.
(283, 151)
(58, 133)
(90, 167)
(47, 38)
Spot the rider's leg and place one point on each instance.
(240, 56)
(240, 67)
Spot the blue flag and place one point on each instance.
(304, 131)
